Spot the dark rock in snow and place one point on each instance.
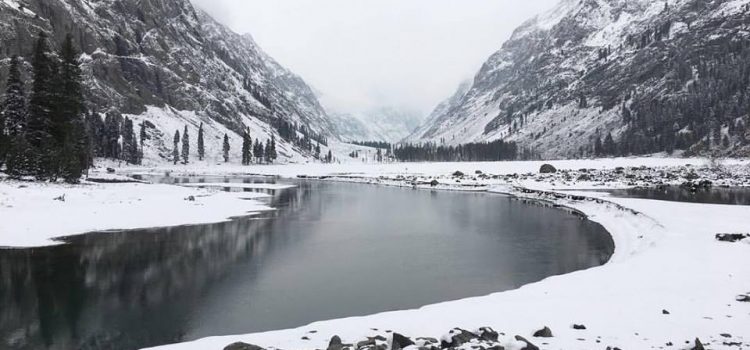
(242, 346)
(458, 336)
(335, 343)
(110, 170)
(743, 298)
(547, 169)
(731, 237)
(665, 312)
(366, 343)
(488, 334)
(579, 326)
(458, 174)
(529, 345)
(543, 333)
(434, 183)
(698, 345)
(399, 342)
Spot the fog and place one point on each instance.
(364, 54)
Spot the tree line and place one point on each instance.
(45, 135)
(485, 151)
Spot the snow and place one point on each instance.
(666, 258)
(37, 219)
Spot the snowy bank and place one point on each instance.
(36, 213)
(669, 282)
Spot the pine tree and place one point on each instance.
(267, 152)
(185, 146)
(226, 148)
(273, 154)
(246, 145)
(609, 145)
(41, 110)
(73, 138)
(201, 146)
(329, 158)
(598, 146)
(143, 134)
(13, 110)
(259, 151)
(176, 150)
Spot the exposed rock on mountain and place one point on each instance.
(171, 64)
(612, 77)
(382, 124)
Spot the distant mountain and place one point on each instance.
(387, 124)
(612, 77)
(170, 64)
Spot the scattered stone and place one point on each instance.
(543, 333)
(457, 337)
(428, 340)
(305, 338)
(366, 343)
(664, 312)
(110, 170)
(731, 237)
(190, 199)
(458, 174)
(726, 335)
(335, 343)
(743, 298)
(60, 198)
(669, 344)
(399, 342)
(434, 183)
(698, 345)
(579, 326)
(529, 345)
(488, 334)
(547, 169)
(242, 346)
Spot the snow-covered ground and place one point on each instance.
(666, 257)
(32, 216)
(668, 282)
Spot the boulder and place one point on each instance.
(543, 333)
(242, 346)
(458, 174)
(698, 345)
(434, 183)
(743, 298)
(399, 342)
(579, 327)
(488, 334)
(731, 237)
(529, 345)
(335, 343)
(664, 312)
(547, 169)
(456, 337)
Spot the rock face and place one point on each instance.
(547, 169)
(167, 62)
(632, 69)
(382, 124)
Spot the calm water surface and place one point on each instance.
(331, 250)
(713, 195)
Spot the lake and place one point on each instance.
(331, 250)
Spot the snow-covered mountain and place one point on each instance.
(655, 75)
(387, 124)
(169, 63)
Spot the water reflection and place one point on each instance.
(332, 250)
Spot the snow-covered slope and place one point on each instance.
(382, 124)
(147, 58)
(657, 75)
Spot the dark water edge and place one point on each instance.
(330, 251)
(710, 195)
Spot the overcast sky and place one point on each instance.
(361, 54)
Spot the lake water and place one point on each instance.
(330, 250)
(712, 195)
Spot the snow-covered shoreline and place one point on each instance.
(38, 213)
(666, 259)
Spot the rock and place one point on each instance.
(379, 338)
(529, 345)
(335, 343)
(579, 326)
(496, 347)
(366, 343)
(478, 172)
(543, 333)
(726, 335)
(428, 340)
(664, 312)
(584, 177)
(110, 170)
(698, 345)
(190, 199)
(434, 183)
(488, 334)
(399, 341)
(547, 169)
(457, 337)
(743, 298)
(458, 174)
(242, 346)
(731, 237)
